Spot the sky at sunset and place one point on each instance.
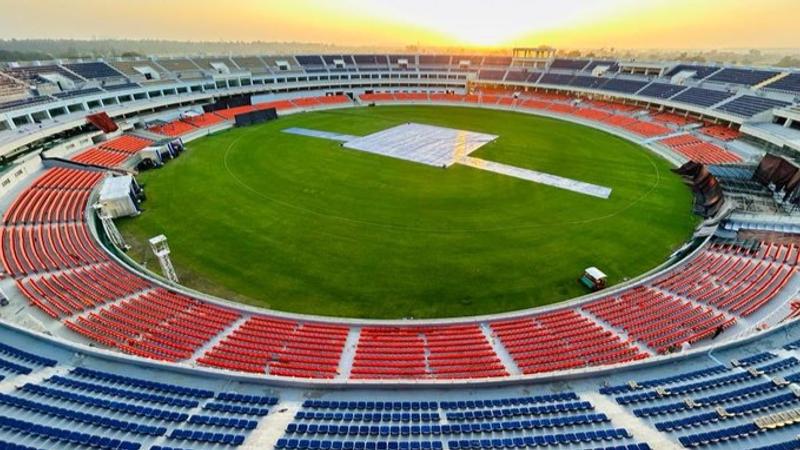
(490, 23)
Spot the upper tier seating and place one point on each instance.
(129, 68)
(585, 81)
(10, 89)
(78, 93)
(287, 64)
(252, 63)
(371, 60)
(750, 105)
(434, 62)
(349, 63)
(94, 70)
(789, 83)
(613, 66)
(747, 77)
(700, 71)
(500, 61)
(701, 96)
(556, 78)
(569, 64)
(214, 65)
(24, 102)
(311, 62)
(31, 74)
(183, 68)
(121, 87)
(491, 74)
(624, 86)
(661, 90)
(522, 76)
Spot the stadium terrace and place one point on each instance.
(99, 351)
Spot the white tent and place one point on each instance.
(115, 197)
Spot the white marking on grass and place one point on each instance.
(538, 177)
(320, 134)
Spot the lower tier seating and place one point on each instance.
(720, 132)
(203, 120)
(459, 351)
(158, 324)
(700, 151)
(280, 347)
(48, 247)
(672, 118)
(75, 290)
(562, 340)
(176, 128)
(100, 157)
(658, 320)
(734, 279)
(126, 144)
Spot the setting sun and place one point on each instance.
(574, 23)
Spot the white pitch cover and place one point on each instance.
(426, 144)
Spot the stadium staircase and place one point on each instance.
(769, 81)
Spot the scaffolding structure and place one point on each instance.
(161, 249)
(111, 229)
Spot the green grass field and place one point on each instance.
(300, 224)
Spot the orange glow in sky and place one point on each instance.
(562, 23)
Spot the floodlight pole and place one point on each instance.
(111, 228)
(161, 249)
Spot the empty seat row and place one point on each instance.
(561, 340)
(68, 437)
(315, 444)
(375, 417)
